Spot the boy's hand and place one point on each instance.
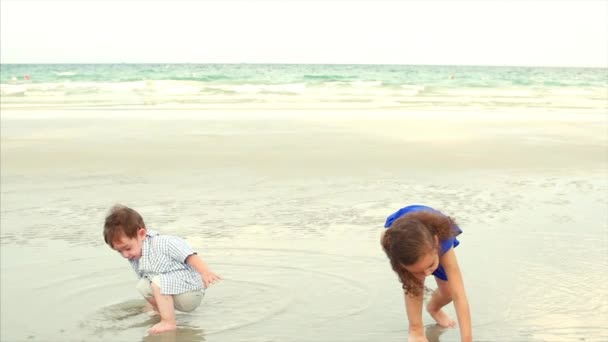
(201, 267)
(210, 278)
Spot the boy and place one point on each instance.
(169, 270)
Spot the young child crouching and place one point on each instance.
(171, 275)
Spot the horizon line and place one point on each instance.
(276, 63)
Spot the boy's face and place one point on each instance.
(130, 248)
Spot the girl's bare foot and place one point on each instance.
(441, 318)
(162, 326)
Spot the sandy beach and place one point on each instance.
(288, 208)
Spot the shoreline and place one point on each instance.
(186, 113)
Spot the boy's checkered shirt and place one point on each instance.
(165, 256)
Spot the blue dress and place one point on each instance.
(445, 245)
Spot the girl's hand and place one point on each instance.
(210, 278)
(417, 337)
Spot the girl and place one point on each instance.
(419, 242)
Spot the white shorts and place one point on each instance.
(185, 302)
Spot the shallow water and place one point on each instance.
(293, 228)
(271, 86)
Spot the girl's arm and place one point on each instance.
(413, 307)
(201, 267)
(456, 285)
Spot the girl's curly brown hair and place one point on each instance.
(410, 237)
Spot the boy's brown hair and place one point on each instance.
(121, 220)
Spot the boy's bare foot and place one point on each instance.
(441, 318)
(162, 326)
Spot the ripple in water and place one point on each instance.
(266, 290)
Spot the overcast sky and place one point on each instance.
(492, 32)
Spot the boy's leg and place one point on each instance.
(166, 310)
(151, 307)
(144, 288)
(188, 301)
(440, 298)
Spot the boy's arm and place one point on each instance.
(179, 250)
(201, 267)
(456, 285)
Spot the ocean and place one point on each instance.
(302, 86)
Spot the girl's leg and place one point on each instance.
(166, 310)
(441, 297)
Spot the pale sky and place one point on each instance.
(491, 32)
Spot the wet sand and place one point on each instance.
(288, 208)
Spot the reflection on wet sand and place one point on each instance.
(182, 334)
(434, 331)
